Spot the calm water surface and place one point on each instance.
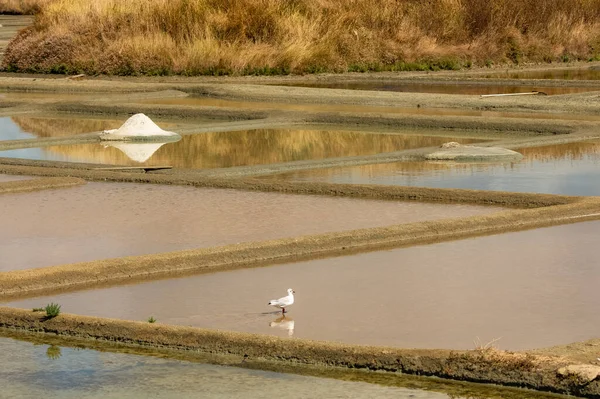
(107, 220)
(26, 127)
(528, 289)
(49, 371)
(227, 149)
(557, 74)
(571, 169)
(445, 88)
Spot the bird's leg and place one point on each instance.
(282, 310)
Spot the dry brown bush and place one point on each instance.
(281, 36)
(22, 6)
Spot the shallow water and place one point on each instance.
(50, 371)
(445, 88)
(107, 220)
(557, 74)
(570, 169)
(531, 289)
(251, 147)
(26, 127)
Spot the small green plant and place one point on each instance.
(151, 320)
(52, 310)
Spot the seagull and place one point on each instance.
(284, 302)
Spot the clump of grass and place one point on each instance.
(151, 319)
(52, 310)
(38, 309)
(265, 37)
(480, 346)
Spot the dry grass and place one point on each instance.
(25, 7)
(282, 36)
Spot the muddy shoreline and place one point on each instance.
(33, 282)
(512, 122)
(433, 384)
(526, 370)
(46, 183)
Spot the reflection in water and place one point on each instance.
(570, 169)
(138, 152)
(104, 220)
(251, 147)
(284, 323)
(27, 371)
(53, 352)
(11, 131)
(533, 289)
(32, 127)
(444, 88)
(561, 74)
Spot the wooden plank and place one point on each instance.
(144, 168)
(529, 93)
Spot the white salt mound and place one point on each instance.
(453, 151)
(139, 127)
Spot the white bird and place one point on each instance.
(284, 302)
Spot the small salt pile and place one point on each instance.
(139, 128)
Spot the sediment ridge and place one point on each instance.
(526, 370)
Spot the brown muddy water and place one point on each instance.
(49, 371)
(26, 127)
(528, 289)
(590, 73)
(108, 220)
(240, 148)
(444, 88)
(568, 169)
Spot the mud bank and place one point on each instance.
(78, 276)
(540, 372)
(451, 388)
(481, 119)
(261, 92)
(47, 183)
(199, 178)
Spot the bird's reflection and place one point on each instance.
(285, 323)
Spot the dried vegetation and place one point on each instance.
(301, 36)
(22, 6)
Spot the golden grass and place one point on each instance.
(281, 36)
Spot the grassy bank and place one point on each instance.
(484, 365)
(22, 7)
(301, 36)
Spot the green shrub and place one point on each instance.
(52, 310)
